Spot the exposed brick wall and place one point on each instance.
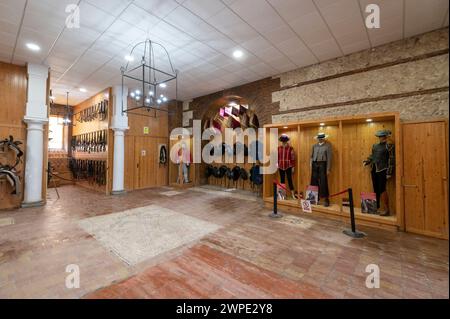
(175, 115)
(259, 95)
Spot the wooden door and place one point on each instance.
(425, 178)
(145, 159)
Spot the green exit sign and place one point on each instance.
(146, 130)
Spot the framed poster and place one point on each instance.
(306, 206)
(312, 194)
(368, 203)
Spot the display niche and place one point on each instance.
(232, 112)
(350, 144)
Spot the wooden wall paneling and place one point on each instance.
(399, 204)
(358, 139)
(425, 179)
(130, 163)
(434, 161)
(157, 122)
(412, 180)
(146, 170)
(298, 164)
(13, 98)
(341, 166)
(162, 175)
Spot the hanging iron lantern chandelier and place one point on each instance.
(147, 81)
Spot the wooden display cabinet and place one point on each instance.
(351, 138)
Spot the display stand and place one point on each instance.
(351, 139)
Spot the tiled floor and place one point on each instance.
(250, 256)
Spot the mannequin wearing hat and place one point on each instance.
(382, 161)
(321, 157)
(286, 162)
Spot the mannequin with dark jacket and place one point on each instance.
(321, 157)
(382, 161)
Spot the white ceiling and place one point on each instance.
(201, 35)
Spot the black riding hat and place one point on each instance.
(222, 170)
(243, 174)
(209, 171)
(236, 171)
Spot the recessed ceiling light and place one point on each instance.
(132, 94)
(285, 127)
(238, 54)
(369, 120)
(137, 92)
(138, 97)
(322, 124)
(161, 96)
(159, 101)
(83, 90)
(147, 100)
(163, 85)
(164, 99)
(33, 47)
(151, 93)
(129, 58)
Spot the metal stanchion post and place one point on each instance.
(275, 213)
(353, 232)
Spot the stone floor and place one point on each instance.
(250, 256)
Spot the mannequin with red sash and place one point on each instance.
(286, 162)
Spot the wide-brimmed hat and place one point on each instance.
(284, 138)
(383, 133)
(321, 136)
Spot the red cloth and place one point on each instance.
(286, 157)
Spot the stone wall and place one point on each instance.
(409, 76)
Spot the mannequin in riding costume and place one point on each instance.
(382, 161)
(321, 157)
(184, 162)
(286, 162)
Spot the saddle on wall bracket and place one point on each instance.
(9, 172)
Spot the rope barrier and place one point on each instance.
(352, 232)
(64, 179)
(337, 194)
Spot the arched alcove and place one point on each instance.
(233, 112)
